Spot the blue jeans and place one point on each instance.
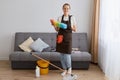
(65, 60)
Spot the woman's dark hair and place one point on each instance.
(66, 4)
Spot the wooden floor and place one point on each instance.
(6, 73)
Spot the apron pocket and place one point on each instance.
(59, 39)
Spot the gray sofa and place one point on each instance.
(24, 60)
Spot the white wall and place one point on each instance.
(34, 16)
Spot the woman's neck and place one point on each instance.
(66, 15)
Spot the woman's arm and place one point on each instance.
(59, 20)
(74, 28)
(73, 24)
(56, 28)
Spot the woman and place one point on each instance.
(64, 39)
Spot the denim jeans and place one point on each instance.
(65, 61)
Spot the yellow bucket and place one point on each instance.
(44, 67)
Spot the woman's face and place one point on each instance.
(66, 9)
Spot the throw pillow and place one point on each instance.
(48, 49)
(38, 45)
(25, 46)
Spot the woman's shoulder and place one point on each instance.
(72, 16)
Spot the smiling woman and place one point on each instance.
(64, 39)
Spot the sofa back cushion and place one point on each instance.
(79, 40)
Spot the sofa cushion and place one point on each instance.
(25, 46)
(38, 45)
(81, 56)
(26, 56)
(52, 56)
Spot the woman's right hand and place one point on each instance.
(52, 22)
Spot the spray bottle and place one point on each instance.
(37, 71)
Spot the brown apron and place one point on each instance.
(64, 38)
